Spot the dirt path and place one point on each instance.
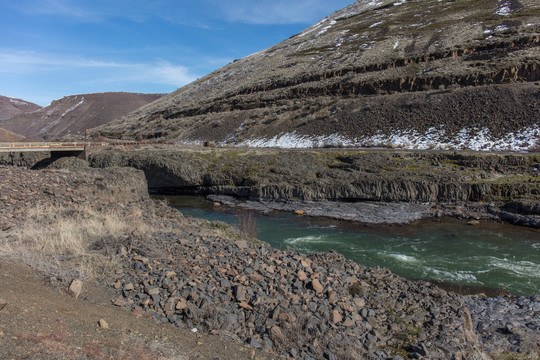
(39, 322)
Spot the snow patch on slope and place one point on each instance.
(479, 139)
(18, 102)
(325, 29)
(356, 8)
(55, 122)
(296, 141)
(72, 108)
(505, 9)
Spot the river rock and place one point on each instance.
(316, 285)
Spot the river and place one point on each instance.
(492, 255)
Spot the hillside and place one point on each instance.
(414, 74)
(8, 136)
(76, 113)
(10, 107)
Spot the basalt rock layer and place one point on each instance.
(511, 181)
(415, 74)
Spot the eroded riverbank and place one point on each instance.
(366, 186)
(410, 185)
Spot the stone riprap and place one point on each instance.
(321, 306)
(506, 323)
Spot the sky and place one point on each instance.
(53, 48)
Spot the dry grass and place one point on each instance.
(75, 241)
(247, 223)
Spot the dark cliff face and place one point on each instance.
(416, 74)
(342, 176)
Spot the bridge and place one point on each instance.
(57, 150)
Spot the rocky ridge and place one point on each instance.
(317, 306)
(10, 107)
(413, 74)
(76, 113)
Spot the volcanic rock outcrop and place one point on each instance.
(510, 182)
(415, 74)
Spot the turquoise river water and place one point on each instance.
(498, 256)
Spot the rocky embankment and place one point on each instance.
(205, 277)
(21, 189)
(318, 307)
(419, 184)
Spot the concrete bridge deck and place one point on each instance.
(25, 147)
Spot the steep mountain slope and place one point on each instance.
(76, 113)
(410, 73)
(10, 107)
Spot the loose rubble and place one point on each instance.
(21, 188)
(320, 306)
(507, 323)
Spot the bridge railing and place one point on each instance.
(44, 145)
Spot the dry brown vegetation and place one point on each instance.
(247, 224)
(73, 240)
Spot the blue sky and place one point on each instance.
(53, 48)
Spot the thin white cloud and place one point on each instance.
(277, 11)
(59, 7)
(94, 11)
(204, 13)
(160, 72)
(17, 61)
(63, 8)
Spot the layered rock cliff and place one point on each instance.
(414, 74)
(510, 182)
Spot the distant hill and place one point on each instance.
(8, 136)
(76, 113)
(405, 73)
(10, 107)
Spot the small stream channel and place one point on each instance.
(493, 255)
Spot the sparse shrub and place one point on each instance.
(356, 289)
(247, 223)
